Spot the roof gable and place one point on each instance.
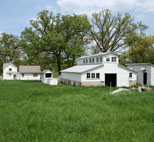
(99, 54)
(5, 65)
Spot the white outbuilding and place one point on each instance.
(101, 69)
(29, 73)
(145, 72)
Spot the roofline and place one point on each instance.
(9, 64)
(135, 64)
(29, 72)
(127, 68)
(99, 54)
(83, 71)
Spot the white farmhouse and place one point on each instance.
(9, 71)
(29, 73)
(97, 70)
(145, 72)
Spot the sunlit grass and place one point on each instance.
(32, 111)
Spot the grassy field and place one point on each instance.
(35, 112)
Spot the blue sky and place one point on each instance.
(15, 14)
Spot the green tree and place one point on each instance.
(109, 31)
(140, 46)
(56, 37)
(10, 50)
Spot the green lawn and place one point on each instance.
(35, 112)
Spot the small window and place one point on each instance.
(93, 75)
(35, 75)
(86, 60)
(97, 75)
(93, 60)
(9, 74)
(10, 69)
(97, 60)
(114, 59)
(130, 75)
(88, 75)
(100, 59)
(22, 74)
(83, 61)
(90, 60)
(107, 59)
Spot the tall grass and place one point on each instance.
(35, 112)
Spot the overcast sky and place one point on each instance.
(15, 14)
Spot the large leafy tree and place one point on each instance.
(140, 46)
(56, 37)
(10, 50)
(109, 31)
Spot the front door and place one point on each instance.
(145, 78)
(14, 77)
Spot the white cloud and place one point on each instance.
(90, 6)
(146, 6)
(48, 7)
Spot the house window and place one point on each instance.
(130, 75)
(107, 59)
(97, 60)
(88, 75)
(10, 69)
(114, 59)
(86, 60)
(35, 75)
(97, 75)
(22, 74)
(93, 75)
(100, 59)
(90, 60)
(93, 60)
(9, 74)
(83, 61)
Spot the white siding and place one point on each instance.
(9, 75)
(29, 76)
(122, 74)
(71, 76)
(139, 69)
(152, 76)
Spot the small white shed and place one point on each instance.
(145, 72)
(47, 77)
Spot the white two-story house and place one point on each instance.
(9, 71)
(101, 69)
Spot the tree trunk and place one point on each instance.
(73, 62)
(58, 63)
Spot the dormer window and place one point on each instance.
(97, 60)
(93, 60)
(100, 59)
(114, 59)
(107, 59)
(90, 60)
(83, 61)
(10, 69)
(86, 60)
